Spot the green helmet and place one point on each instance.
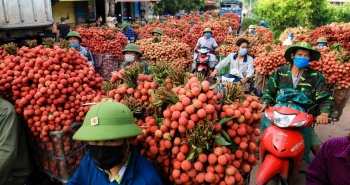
(191, 22)
(159, 31)
(322, 40)
(206, 30)
(162, 18)
(108, 121)
(315, 55)
(74, 34)
(124, 25)
(132, 48)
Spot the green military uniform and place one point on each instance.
(135, 48)
(311, 83)
(15, 167)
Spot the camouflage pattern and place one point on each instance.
(311, 82)
(146, 69)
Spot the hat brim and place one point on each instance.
(315, 55)
(127, 50)
(106, 132)
(80, 40)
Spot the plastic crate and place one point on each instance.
(108, 65)
(61, 156)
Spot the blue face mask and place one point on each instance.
(322, 44)
(291, 38)
(301, 62)
(162, 21)
(208, 35)
(143, 23)
(251, 30)
(74, 45)
(243, 51)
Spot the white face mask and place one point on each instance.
(129, 58)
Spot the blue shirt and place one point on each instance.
(130, 33)
(138, 172)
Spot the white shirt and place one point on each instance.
(209, 43)
(246, 68)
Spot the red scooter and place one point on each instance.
(203, 62)
(282, 146)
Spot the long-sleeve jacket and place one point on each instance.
(311, 82)
(15, 167)
(246, 67)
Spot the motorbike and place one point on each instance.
(282, 145)
(233, 78)
(204, 61)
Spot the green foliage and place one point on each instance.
(282, 14)
(339, 13)
(249, 21)
(174, 6)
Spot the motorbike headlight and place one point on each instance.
(282, 120)
(299, 124)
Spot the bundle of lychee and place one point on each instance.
(232, 18)
(103, 41)
(269, 61)
(167, 50)
(194, 139)
(48, 85)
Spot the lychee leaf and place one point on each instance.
(224, 133)
(222, 141)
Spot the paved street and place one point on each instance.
(324, 132)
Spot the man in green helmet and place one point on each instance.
(303, 78)
(132, 54)
(75, 40)
(192, 24)
(322, 42)
(207, 41)
(108, 129)
(128, 32)
(157, 35)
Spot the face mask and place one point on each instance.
(322, 44)
(143, 23)
(208, 35)
(251, 31)
(243, 51)
(192, 24)
(162, 21)
(301, 62)
(74, 45)
(291, 38)
(106, 157)
(129, 58)
(101, 19)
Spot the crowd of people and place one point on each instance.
(111, 158)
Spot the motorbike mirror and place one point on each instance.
(309, 109)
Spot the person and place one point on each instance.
(109, 129)
(207, 40)
(241, 61)
(322, 42)
(143, 21)
(157, 35)
(98, 22)
(331, 165)
(162, 19)
(15, 166)
(132, 54)
(111, 22)
(75, 40)
(263, 23)
(54, 28)
(128, 32)
(191, 24)
(303, 78)
(62, 29)
(251, 31)
(289, 40)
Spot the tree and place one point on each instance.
(174, 6)
(282, 14)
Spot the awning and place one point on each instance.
(209, 3)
